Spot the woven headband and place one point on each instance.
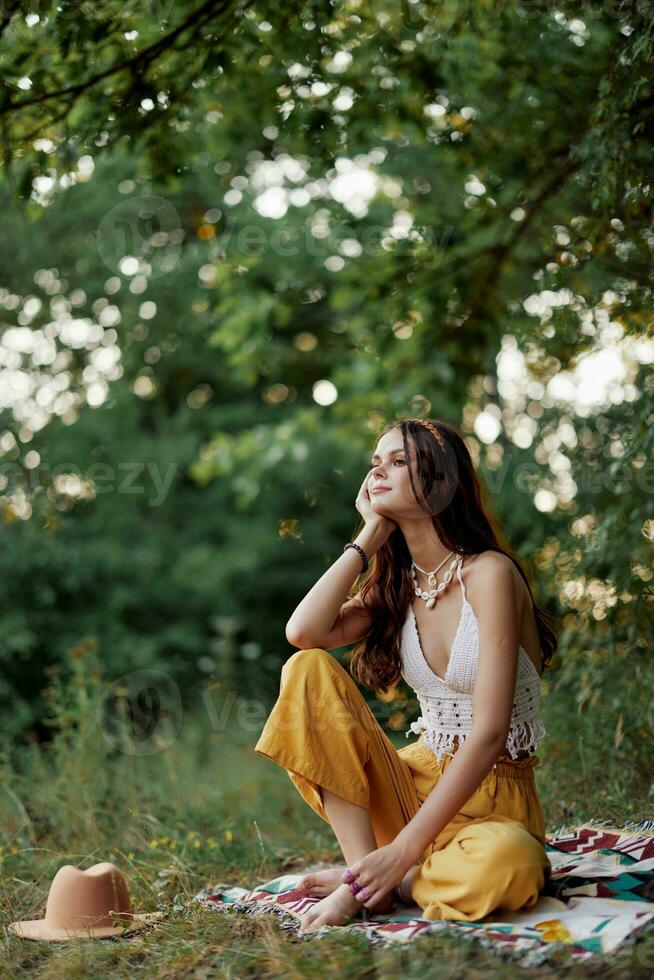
(434, 431)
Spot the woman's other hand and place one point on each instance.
(377, 873)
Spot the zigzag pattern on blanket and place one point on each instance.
(600, 896)
(630, 826)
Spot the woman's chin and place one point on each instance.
(379, 508)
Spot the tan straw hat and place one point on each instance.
(91, 904)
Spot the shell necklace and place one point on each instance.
(431, 595)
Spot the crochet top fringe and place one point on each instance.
(446, 702)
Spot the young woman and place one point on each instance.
(451, 822)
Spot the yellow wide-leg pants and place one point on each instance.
(490, 856)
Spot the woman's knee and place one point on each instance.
(508, 845)
(305, 659)
(523, 856)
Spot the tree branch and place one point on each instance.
(143, 58)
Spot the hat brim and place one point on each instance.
(38, 928)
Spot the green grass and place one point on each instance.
(182, 818)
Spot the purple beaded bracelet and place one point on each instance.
(364, 557)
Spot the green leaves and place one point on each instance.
(358, 213)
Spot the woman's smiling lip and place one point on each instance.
(379, 489)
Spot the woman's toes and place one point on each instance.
(321, 883)
(304, 925)
(333, 910)
(307, 923)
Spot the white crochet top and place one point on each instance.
(446, 703)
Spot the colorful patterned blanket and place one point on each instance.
(601, 895)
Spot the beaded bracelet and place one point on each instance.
(364, 557)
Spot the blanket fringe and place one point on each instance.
(642, 827)
(287, 919)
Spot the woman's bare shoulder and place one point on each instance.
(486, 563)
(488, 568)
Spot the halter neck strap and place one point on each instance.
(459, 565)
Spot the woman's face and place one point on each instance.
(390, 468)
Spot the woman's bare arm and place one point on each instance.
(323, 618)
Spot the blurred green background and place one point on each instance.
(237, 239)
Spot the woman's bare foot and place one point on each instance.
(341, 906)
(322, 883)
(336, 909)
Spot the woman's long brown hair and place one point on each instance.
(452, 493)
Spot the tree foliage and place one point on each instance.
(279, 229)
